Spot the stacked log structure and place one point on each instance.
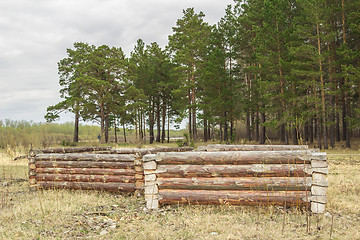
(288, 178)
(90, 168)
(86, 171)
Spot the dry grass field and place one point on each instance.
(59, 214)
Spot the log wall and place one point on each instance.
(87, 171)
(286, 177)
(90, 168)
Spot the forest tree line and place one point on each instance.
(291, 67)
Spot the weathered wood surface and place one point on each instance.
(83, 164)
(68, 150)
(85, 157)
(222, 147)
(227, 183)
(83, 178)
(144, 151)
(238, 158)
(291, 198)
(87, 171)
(113, 187)
(255, 170)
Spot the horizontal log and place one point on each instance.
(85, 157)
(221, 147)
(250, 183)
(113, 187)
(33, 152)
(84, 178)
(255, 170)
(83, 164)
(144, 151)
(87, 171)
(236, 158)
(291, 198)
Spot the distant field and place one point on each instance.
(18, 135)
(59, 214)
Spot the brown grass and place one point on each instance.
(59, 214)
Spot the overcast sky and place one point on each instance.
(34, 36)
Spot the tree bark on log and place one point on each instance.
(221, 147)
(143, 151)
(256, 170)
(227, 183)
(83, 178)
(83, 164)
(85, 157)
(69, 150)
(113, 187)
(290, 198)
(87, 171)
(236, 158)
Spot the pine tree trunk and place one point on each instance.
(306, 132)
(136, 126)
(141, 125)
(226, 137)
(205, 130)
(194, 116)
(262, 128)
(311, 130)
(209, 131)
(102, 123)
(158, 120)
(318, 131)
(252, 124)
(190, 117)
(248, 126)
(322, 89)
(107, 126)
(144, 132)
(295, 135)
(76, 127)
(168, 124)
(346, 112)
(257, 120)
(163, 113)
(343, 118)
(151, 122)
(115, 130)
(282, 132)
(124, 130)
(221, 132)
(232, 137)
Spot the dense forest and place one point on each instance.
(286, 67)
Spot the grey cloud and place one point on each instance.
(34, 35)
